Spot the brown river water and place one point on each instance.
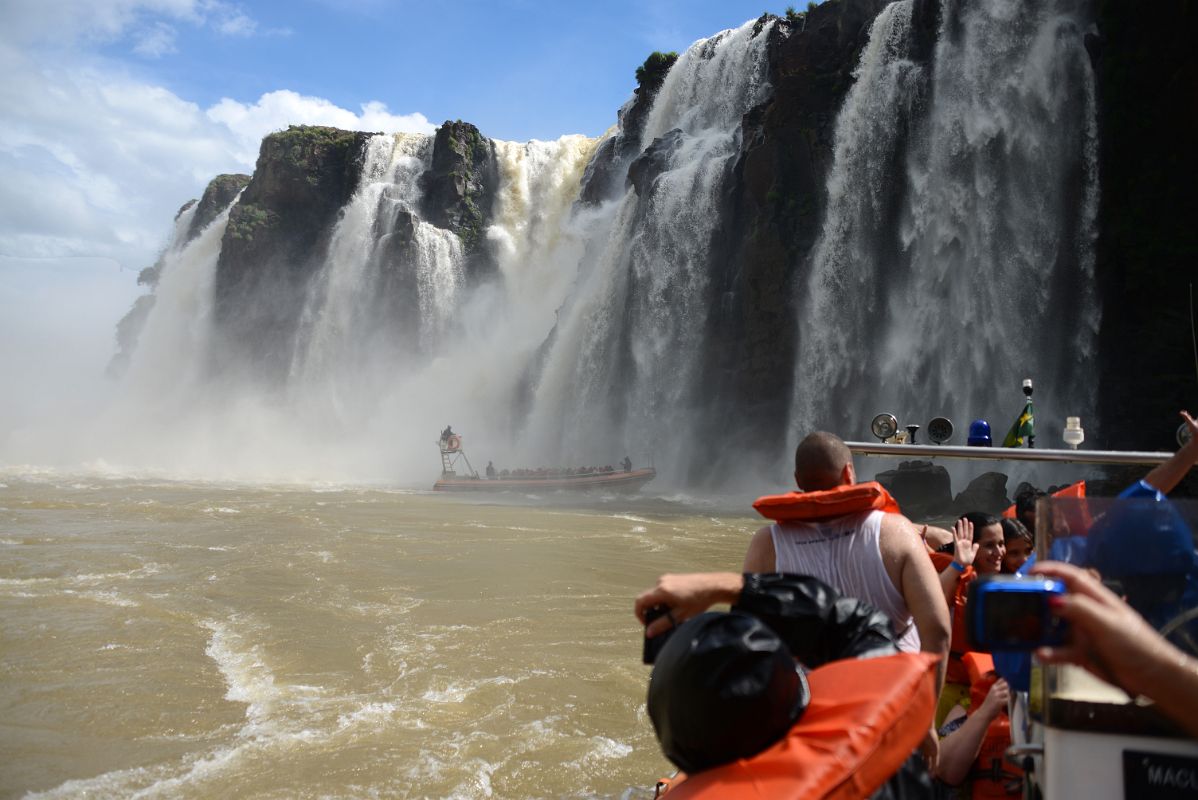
(184, 640)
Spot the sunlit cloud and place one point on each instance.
(232, 21)
(150, 26)
(273, 111)
(156, 41)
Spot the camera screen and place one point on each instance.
(1014, 618)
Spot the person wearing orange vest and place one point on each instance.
(854, 537)
(978, 550)
(734, 705)
(975, 740)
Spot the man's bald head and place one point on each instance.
(821, 461)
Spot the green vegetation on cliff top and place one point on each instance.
(653, 71)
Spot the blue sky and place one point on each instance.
(519, 70)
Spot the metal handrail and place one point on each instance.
(1007, 453)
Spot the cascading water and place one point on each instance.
(388, 333)
(348, 342)
(936, 287)
(629, 344)
(954, 259)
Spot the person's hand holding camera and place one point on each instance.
(1111, 640)
(687, 595)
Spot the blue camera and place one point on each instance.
(1012, 613)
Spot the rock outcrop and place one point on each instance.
(460, 188)
(1147, 246)
(277, 237)
(923, 489)
(221, 191)
(773, 214)
(606, 173)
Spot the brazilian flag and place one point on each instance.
(1021, 429)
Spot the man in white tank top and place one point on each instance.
(871, 555)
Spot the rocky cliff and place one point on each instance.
(276, 239)
(773, 215)
(1147, 255)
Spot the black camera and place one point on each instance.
(653, 645)
(1007, 612)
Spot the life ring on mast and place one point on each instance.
(453, 442)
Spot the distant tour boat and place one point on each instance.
(457, 475)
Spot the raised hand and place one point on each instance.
(964, 548)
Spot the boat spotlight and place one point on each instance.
(940, 430)
(884, 426)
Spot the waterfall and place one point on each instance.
(349, 343)
(936, 286)
(954, 258)
(629, 343)
(173, 345)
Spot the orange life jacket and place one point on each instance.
(865, 719)
(826, 504)
(992, 775)
(955, 671)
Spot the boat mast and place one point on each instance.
(451, 454)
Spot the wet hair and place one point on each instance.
(1014, 529)
(819, 461)
(980, 519)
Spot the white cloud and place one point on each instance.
(237, 24)
(149, 24)
(276, 110)
(96, 163)
(156, 41)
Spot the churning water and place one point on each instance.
(167, 639)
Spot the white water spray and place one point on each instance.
(628, 349)
(981, 274)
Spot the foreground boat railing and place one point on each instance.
(1007, 453)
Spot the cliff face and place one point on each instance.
(463, 179)
(277, 237)
(217, 196)
(1147, 255)
(608, 170)
(279, 233)
(773, 214)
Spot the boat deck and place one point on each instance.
(619, 481)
